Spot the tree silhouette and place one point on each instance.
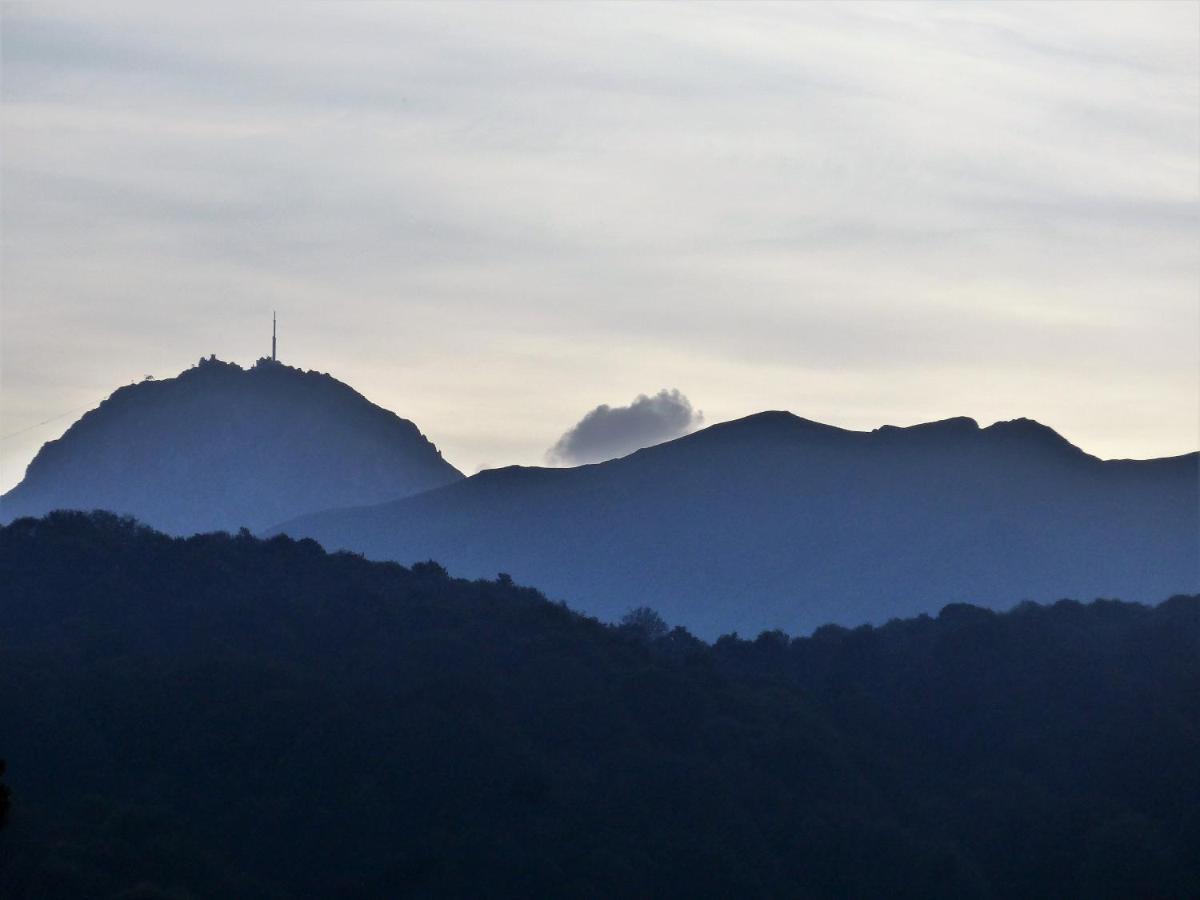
(5, 795)
(645, 623)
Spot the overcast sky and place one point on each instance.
(494, 218)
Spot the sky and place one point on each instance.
(496, 219)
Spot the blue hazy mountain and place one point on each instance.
(774, 521)
(221, 447)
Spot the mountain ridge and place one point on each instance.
(937, 427)
(778, 521)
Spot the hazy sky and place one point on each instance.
(494, 218)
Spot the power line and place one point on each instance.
(69, 412)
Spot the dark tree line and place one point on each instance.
(5, 795)
(224, 716)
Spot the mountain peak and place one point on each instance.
(218, 447)
(1030, 432)
(774, 422)
(781, 418)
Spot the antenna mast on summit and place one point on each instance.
(272, 335)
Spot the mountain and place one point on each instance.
(774, 521)
(221, 447)
(221, 716)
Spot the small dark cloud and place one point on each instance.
(611, 431)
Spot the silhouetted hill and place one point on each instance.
(776, 521)
(221, 716)
(220, 447)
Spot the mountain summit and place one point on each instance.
(774, 521)
(221, 447)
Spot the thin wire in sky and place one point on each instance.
(21, 431)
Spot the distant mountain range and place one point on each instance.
(771, 521)
(221, 447)
(774, 521)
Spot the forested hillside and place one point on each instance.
(222, 716)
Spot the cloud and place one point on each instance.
(611, 431)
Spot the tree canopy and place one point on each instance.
(227, 716)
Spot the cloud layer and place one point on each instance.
(611, 431)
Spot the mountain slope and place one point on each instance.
(220, 447)
(776, 521)
(222, 716)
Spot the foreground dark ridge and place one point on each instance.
(775, 521)
(221, 447)
(224, 716)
